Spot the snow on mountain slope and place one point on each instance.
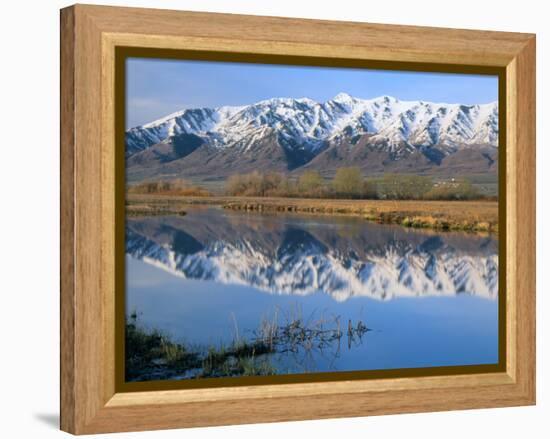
(192, 121)
(307, 124)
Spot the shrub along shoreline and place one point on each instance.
(404, 199)
(349, 183)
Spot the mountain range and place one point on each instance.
(284, 256)
(290, 135)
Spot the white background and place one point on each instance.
(29, 219)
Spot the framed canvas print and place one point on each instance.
(270, 219)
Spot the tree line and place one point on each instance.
(349, 183)
(176, 186)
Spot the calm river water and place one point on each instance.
(213, 276)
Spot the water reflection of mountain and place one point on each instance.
(296, 255)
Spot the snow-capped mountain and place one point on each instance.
(288, 259)
(286, 135)
(307, 124)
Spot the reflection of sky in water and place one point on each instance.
(407, 332)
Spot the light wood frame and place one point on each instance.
(89, 36)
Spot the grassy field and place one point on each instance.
(486, 184)
(441, 215)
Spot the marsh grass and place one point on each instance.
(151, 351)
(153, 355)
(453, 215)
(470, 216)
(177, 187)
(154, 210)
(297, 333)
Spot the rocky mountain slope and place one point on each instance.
(288, 135)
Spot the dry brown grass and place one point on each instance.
(442, 215)
(154, 210)
(177, 187)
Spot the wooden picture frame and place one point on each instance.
(91, 402)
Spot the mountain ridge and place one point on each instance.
(302, 129)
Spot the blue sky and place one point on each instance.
(157, 87)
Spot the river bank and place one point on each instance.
(474, 216)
